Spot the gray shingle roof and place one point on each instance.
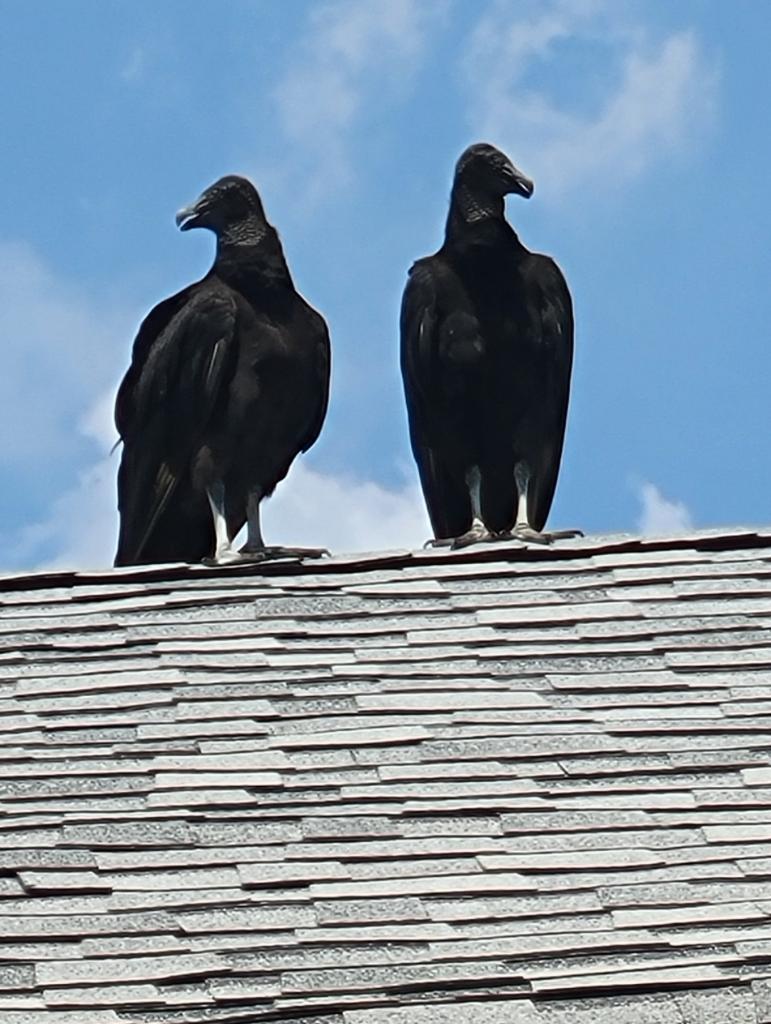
(503, 786)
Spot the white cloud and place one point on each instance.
(344, 514)
(59, 350)
(81, 528)
(643, 100)
(62, 357)
(309, 509)
(351, 54)
(660, 515)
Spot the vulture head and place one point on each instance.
(484, 170)
(231, 208)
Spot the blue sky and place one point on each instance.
(646, 127)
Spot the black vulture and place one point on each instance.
(486, 353)
(228, 381)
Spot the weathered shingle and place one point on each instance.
(516, 784)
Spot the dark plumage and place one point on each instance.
(486, 353)
(228, 381)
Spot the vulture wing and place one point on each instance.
(165, 402)
(446, 495)
(552, 313)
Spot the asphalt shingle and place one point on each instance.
(516, 784)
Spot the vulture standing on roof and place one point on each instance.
(486, 352)
(228, 381)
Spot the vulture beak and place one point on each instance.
(187, 217)
(517, 182)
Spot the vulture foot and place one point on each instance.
(228, 556)
(529, 535)
(278, 551)
(476, 535)
(250, 556)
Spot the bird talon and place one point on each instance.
(277, 551)
(255, 555)
(467, 539)
(529, 536)
(226, 557)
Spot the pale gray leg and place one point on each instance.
(522, 479)
(474, 484)
(254, 542)
(477, 531)
(522, 528)
(223, 551)
(255, 548)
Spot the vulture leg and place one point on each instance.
(477, 531)
(223, 550)
(522, 528)
(255, 547)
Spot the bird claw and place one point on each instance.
(253, 556)
(531, 536)
(481, 535)
(227, 557)
(277, 551)
(476, 535)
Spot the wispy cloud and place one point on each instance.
(351, 55)
(647, 97)
(59, 350)
(310, 509)
(660, 515)
(80, 529)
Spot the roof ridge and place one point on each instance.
(712, 539)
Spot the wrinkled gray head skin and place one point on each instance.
(223, 206)
(484, 170)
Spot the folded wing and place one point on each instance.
(445, 492)
(165, 404)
